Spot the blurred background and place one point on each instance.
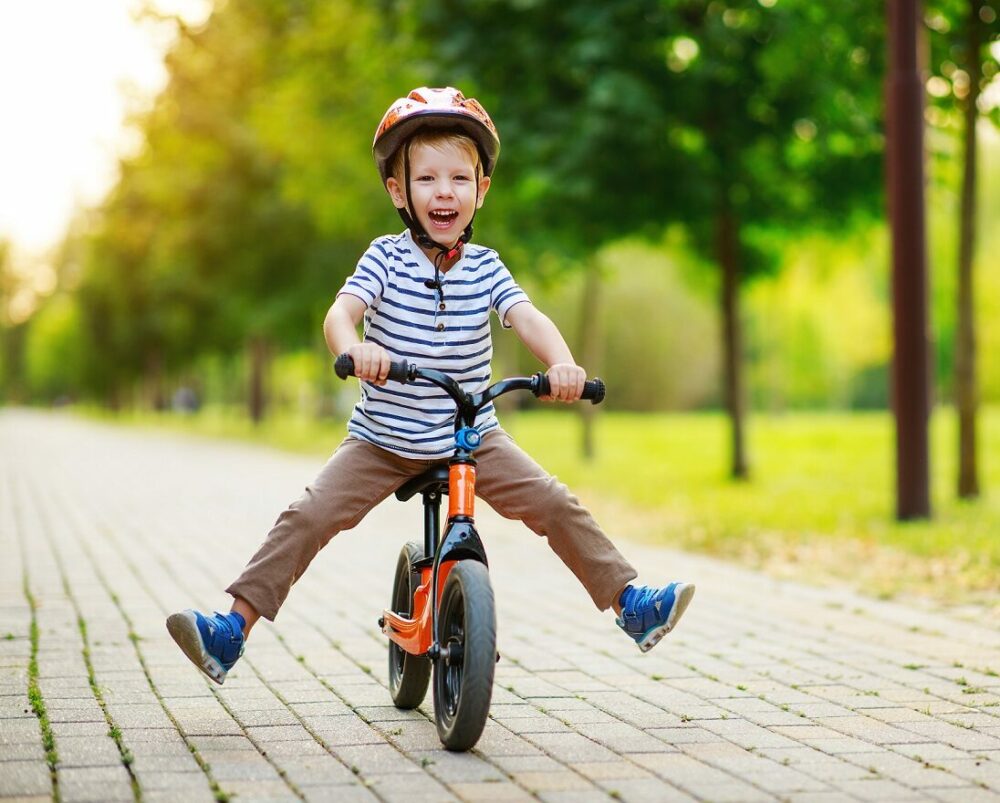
(693, 190)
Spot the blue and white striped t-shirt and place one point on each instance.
(413, 323)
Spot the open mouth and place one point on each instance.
(442, 218)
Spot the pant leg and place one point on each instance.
(357, 477)
(514, 485)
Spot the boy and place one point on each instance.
(425, 296)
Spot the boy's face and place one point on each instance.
(443, 190)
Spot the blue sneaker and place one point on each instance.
(648, 614)
(214, 644)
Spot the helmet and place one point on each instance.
(445, 108)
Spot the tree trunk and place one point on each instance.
(155, 396)
(257, 396)
(590, 348)
(732, 337)
(904, 160)
(966, 392)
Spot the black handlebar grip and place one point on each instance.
(593, 389)
(344, 366)
(398, 371)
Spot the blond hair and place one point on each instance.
(437, 139)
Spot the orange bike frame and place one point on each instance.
(416, 635)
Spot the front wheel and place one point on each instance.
(409, 675)
(463, 674)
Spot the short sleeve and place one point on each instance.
(370, 277)
(505, 293)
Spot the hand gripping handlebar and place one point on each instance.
(593, 389)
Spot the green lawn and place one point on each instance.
(819, 505)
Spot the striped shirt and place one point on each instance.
(447, 330)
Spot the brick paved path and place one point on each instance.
(767, 691)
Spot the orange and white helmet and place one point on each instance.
(445, 108)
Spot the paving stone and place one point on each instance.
(205, 744)
(570, 747)
(609, 770)
(24, 778)
(407, 787)
(187, 782)
(258, 791)
(488, 792)
(498, 741)
(645, 790)
(684, 770)
(85, 751)
(966, 794)
(535, 724)
(164, 763)
(375, 759)
(19, 731)
(22, 751)
(624, 739)
(225, 770)
(877, 789)
(349, 730)
(339, 793)
(95, 783)
(573, 796)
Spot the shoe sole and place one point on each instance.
(183, 627)
(682, 598)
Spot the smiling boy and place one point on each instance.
(425, 296)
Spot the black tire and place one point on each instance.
(463, 674)
(409, 675)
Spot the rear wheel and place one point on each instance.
(409, 675)
(463, 674)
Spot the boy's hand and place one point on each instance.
(371, 362)
(565, 382)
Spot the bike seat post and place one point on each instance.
(432, 521)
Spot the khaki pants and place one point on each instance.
(359, 475)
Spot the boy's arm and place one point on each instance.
(543, 339)
(371, 361)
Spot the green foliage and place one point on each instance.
(54, 351)
(621, 117)
(948, 23)
(251, 197)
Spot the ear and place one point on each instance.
(395, 190)
(484, 187)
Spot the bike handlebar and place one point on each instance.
(404, 372)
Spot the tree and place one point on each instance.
(739, 119)
(252, 197)
(962, 32)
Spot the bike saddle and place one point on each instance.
(433, 480)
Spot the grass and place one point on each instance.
(819, 506)
(36, 700)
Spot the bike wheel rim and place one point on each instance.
(453, 633)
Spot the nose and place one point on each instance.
(444, 189)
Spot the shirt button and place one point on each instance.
(441, 305)
(440, 327)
